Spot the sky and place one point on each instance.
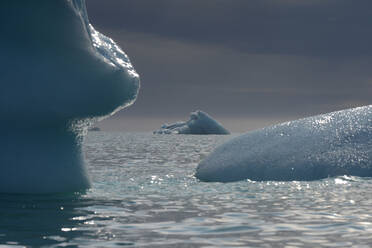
(248, 64)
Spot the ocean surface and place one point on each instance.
(144, 194)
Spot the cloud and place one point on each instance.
(180, 76)
(258, 58)
(314, 28)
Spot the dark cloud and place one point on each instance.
(302, 27)
(180, 76)
(264, 60)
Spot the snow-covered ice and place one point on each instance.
(333, 144)
(199, 123)
(58, 75)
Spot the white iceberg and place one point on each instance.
(58, 75)
(338, 143)
(199, 123)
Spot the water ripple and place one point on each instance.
(145, 195)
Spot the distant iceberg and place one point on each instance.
(199, 123)
(328, 145)
(58, 76)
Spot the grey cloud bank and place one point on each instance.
(321, 28)
(243, 59)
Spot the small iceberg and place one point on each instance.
(328, 145)
(199, 123)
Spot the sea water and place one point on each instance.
(144, 194)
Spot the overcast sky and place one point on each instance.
(246, 63)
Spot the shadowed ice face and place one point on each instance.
(58, 74)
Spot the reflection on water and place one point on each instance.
(42, 220)
(145, 195)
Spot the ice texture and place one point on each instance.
(199, 123)
(333, 144)
(58, 75)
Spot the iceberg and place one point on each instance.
(199, 123)
(59, 75)
(328, 145)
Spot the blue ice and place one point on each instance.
(328, 145)
(58, 76)
(199, 123)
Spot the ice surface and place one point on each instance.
(338, 143)
(58, 74)
(199, 123)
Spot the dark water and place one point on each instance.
(145, 195)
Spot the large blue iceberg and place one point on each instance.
(58, 76)
(338, 143)
(199, 123)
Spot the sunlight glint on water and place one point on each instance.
(144, 194)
